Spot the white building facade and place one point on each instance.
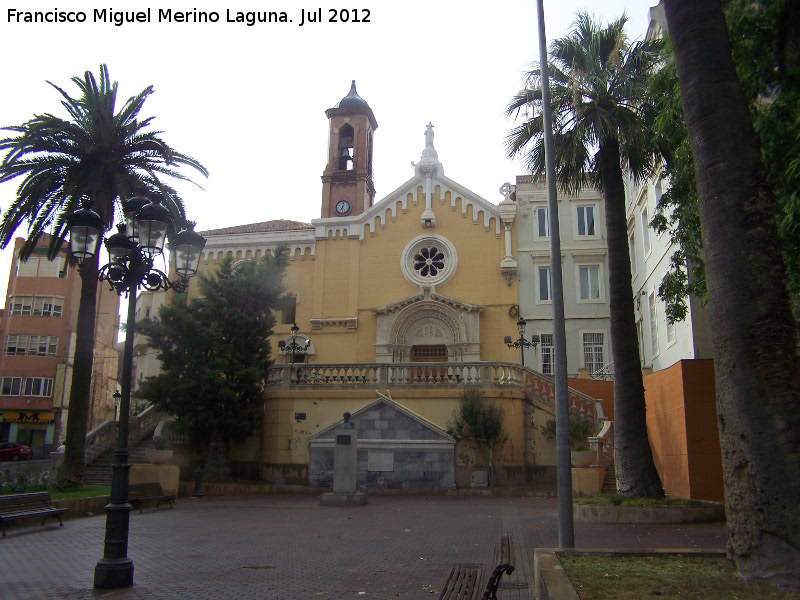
(662, 343)
(584, 267)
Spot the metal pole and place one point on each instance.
(566, 533)
(522, 350)
(115, 569)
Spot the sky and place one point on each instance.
(249, 101)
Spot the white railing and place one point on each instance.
(603, 444)
(605, 373)
(446, 374)
(104, 437)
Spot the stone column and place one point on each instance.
(345, 468)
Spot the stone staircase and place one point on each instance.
(610, 482)
(99, 472)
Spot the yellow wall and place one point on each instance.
(349, 278)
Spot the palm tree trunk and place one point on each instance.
(633, 458)
(758, 395)
(71, 472)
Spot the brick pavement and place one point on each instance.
(289, 547)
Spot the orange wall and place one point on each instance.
(596, 388)
(682, 425)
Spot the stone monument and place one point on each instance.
(345, 464)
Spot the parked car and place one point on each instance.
(14, 451)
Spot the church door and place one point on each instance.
(432, 353)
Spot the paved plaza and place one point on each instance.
(289, 547)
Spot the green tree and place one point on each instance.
(214, 350)
(753, 329)
(764, 39)
(477, 420)
(598, 91)
(99, 155)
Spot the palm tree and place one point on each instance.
(98, 156)
(758, 396)
(598, 85)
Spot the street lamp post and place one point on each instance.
(521, 343)
(132, 251)
(117, 397)
(293, 347)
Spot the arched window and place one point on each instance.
(345, 147)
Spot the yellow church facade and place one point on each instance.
(406, 301)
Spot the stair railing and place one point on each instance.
(603, 444)
(104, 437)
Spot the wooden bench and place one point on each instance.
(20, 506)
(138, 493)
(465, 581)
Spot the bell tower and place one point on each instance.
(347, 187)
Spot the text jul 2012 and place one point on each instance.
(168, 15)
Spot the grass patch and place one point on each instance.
(620, 500)
(662, 576)
(79, 492)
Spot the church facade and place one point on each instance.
(408, 297)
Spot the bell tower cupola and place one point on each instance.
(347, 187)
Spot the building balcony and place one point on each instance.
(485, 375)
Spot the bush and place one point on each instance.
(28, 480)
(581, 428)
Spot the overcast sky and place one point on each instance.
(249, 101)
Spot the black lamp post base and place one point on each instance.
(112, 573)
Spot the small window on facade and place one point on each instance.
(10, 386)
(632, 248)
(16, 344)
(50, 268)
(545, 293)
(548, 353)
(42, 345)
(542, 223)
(289, 310)
(593, 351)
(21, 306)
(48, 306)
(38, 386)
(653, 324)
(645, 232)
(589, 281)
(670, 331)
(586, 220)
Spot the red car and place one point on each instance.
(14, 451)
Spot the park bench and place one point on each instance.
(20, 506)
(138, 493)
(464, 581)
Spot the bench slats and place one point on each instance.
(463, 583)
(139, 493)
(36, 504)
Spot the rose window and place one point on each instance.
(429, 261)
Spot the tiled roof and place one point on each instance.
(277, 225)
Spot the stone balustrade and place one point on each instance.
(446, 374)
(104, 437)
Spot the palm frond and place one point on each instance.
(96, 154)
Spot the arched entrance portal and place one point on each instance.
(428, 328)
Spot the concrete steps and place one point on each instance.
(610, 482)
(99, 472)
